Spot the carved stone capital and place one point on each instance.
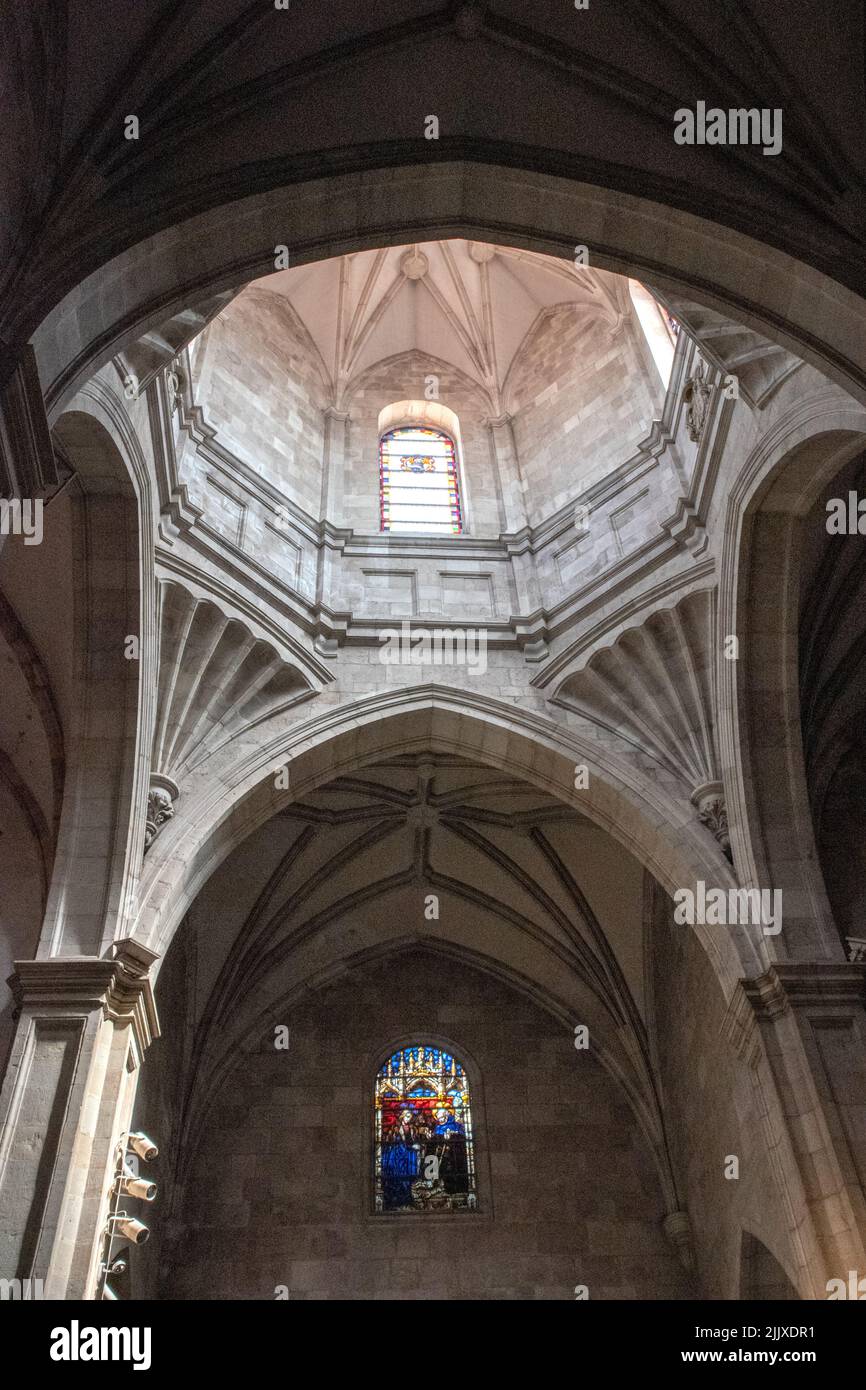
(160, 806)
(713, 812)
(175, 384)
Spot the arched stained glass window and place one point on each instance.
(419, 490)
(424, 1151)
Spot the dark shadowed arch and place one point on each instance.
(762, 1278)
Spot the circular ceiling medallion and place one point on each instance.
(414, 265)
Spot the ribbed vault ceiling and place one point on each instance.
(467, 303)
(373, 846)
(526, 889)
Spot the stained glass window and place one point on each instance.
(424, 1152)
(418, 484)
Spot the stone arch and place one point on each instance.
(604, 1044)
(620, 800)
(101, 836)
(217, 249)
(432, 414)
(526, 209)
(769, 812)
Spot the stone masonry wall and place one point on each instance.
(582, 400)
(259, 388)
(400, 379)
(279, 1196)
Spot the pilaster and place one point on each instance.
(83, 1025)
(802, 1028)
(521, 554)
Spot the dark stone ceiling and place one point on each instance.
(236, 97)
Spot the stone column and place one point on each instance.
(802, 1028)
(518, 537)
(83, 1024)
(508, 470)
(333, 478)
(333, 461)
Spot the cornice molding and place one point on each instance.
(251, 583)
(826, 990)
(239, 474)
(812, 985)
(120, 986)
(346, 540)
